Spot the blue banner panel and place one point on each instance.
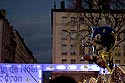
(20, 73)
(71, 67)
(32, 73)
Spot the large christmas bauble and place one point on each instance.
(107, 38)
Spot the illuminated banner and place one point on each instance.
(70, 67)
(32, 73)
(20, 73)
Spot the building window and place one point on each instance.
(64, 49)
(64, 34)
(107, 20)
(117, 61)
(90, 50)
(64, 61)
(3, 28)
(73, 34)
(73, 61)
(90, 62)
(124, 34)
(81, 20)
(72, 50)
(117, 53)
(73, 19)
(64, 20)
(82, 34)
(82, 50)
(81, 60)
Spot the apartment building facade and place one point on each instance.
(68, 27)
(22, 53)
(12, 46)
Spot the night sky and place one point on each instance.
(32, 19)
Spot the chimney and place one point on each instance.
(91, 4)
(3, 12)
(105, 4)
(54, 5)
(78, 4)
(62, 4)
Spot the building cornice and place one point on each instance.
(112, 11)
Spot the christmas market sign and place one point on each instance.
(32, 73)
(20, 73)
